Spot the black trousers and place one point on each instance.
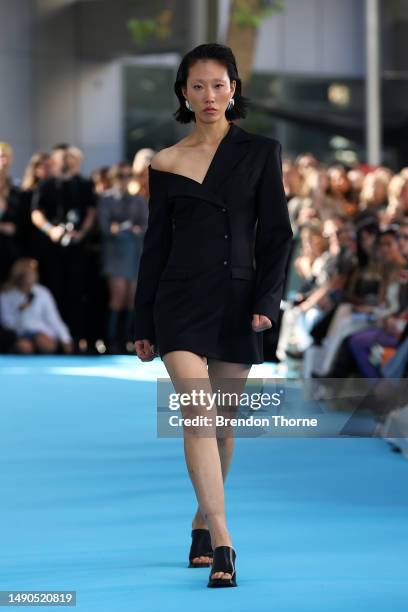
(62, 270)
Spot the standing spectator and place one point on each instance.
(100, 178)
(6, 159)
(123, 221)
(64, 208)
(29, 311)
(38, 169)
(9, 213)
(140, 183)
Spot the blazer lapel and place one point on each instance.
(182, 186)
(229, 154)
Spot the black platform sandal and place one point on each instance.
(223, 561)
(200, 547)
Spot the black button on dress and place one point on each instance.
(196, 290)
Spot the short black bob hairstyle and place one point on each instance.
(222, 54)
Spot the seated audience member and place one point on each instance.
(310, 308)
(367, 346)
(374, 194)
(363, 317)
(29, 310)
(315, 196)
(291, 178)
(397, 207)
(364, 289)
(341, 189)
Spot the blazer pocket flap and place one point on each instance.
(174, 274)
(242, 272)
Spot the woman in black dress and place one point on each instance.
(211, 273)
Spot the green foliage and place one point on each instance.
(142, 29)
(244, 17)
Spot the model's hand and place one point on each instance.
(145, 350)
(260, 323)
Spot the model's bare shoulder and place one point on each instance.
(164, 159)
(169, 159)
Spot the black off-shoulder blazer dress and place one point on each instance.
(215, 252)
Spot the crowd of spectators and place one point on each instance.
(349, 311)
(70, 247)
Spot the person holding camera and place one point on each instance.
(64, 209)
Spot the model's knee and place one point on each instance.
(225, 440)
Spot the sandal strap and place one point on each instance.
(201, 544)
(224, 560)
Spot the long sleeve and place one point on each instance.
(273, 237)
(8, 311)
(156, 248)
(143, 213)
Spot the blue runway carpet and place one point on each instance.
(93, 501)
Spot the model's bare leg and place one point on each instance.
(204, 453)
(229, 378)
(188, 371)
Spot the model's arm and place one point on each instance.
(156, 248)
(273, 237)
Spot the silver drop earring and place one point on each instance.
(231, 104)
(188, 106)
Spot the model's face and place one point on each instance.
(209, 87)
